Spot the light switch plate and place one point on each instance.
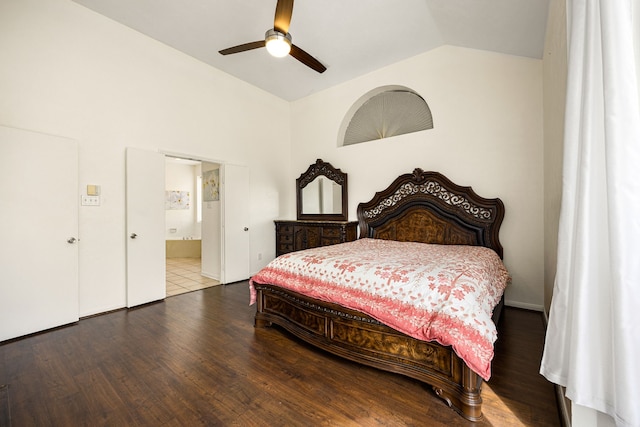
(90, 201)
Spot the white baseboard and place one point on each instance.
(527, 306)
(101, 310)
(210, 276)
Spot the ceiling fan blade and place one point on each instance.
(284, 10)
(307, 59)
(243, 47)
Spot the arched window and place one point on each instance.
(384, 112)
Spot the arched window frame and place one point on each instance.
(386, 124)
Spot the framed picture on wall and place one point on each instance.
(176, 200)
(211, 185)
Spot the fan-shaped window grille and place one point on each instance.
(385, 112)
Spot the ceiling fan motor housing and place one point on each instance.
(278, 44)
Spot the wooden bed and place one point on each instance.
(421, 207)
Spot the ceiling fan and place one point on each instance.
(278, 40)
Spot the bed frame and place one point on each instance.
(421, 207)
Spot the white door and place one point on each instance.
(145, 226)
(235, 222)
(39, 231)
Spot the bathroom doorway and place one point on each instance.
(192, 256)
(224, 229)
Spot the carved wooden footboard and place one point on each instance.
(421, 207)
(358, 337)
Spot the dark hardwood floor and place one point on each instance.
(196, 359)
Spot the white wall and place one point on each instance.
(487, 114)
(555, 88)
(182, 177)
(211, 258)
(70, 72)
(554, 93)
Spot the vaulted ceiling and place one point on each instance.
(350, 37)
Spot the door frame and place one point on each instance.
(198, 158)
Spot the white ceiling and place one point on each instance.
(350, 37)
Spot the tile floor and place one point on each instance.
(183, 275)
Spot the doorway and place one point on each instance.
(184, 275)
(226, 258)
(187, 212)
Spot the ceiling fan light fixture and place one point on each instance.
(278, 44)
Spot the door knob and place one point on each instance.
(133, 235)
(71, 240)
(246, 229)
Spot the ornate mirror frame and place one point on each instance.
(321, 168)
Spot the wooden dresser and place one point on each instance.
(297, 235)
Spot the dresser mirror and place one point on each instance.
(321, 193)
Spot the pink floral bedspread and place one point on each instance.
(445, 293)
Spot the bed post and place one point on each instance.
(259, 321)
(468, 403)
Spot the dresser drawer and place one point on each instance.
(331, 232)
(284, 248)
(327, 241)
(285, 238)
(284, 228)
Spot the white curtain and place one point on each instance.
(593, 338)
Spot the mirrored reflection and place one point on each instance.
(322, 196)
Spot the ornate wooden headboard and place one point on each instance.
(427, 207)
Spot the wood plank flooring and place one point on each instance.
(196, 359)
